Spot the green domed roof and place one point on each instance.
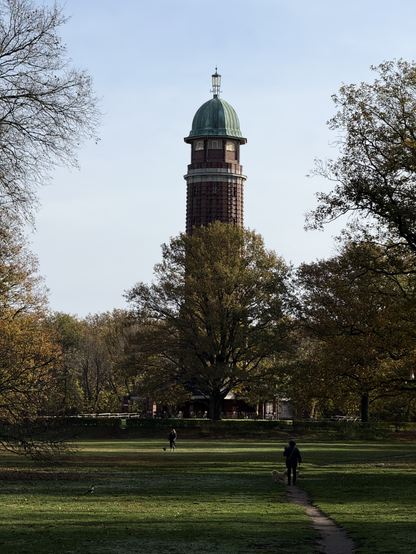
(216, 118)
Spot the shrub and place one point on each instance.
(342, 429)
(207, 427)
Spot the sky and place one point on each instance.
(99, 229)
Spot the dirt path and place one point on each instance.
(334, 539)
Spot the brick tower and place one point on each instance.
(215, 179)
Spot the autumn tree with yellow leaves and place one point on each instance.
(28, 349)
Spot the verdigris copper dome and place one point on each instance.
(216, 118)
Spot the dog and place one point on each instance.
(281, 476)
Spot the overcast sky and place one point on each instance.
(99, 230)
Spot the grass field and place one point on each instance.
(207, 497)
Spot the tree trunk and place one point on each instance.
(216, 407)
(365, 410)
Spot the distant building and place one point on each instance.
(215, 180)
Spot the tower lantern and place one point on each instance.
(215, 179)
(216, 84)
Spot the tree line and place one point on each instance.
(222, 315)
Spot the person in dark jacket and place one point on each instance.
(293, 456)
(172, 440)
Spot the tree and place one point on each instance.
(375, 174)
(215, 312)
(28, 351)
(146, 375)
(361, 324)
(89, 373)
(68, 397)
(47, 107)
(96, 366)
(21, 288)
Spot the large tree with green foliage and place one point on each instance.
(214, 313)
(361, 328)
(375, 173)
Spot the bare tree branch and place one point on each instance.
(47, 108)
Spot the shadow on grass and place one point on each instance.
(374, 502)
(210, 497)
(150, 513)
(150, 523)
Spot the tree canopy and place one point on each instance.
(365, 297)
(28, 349)
(215, 312)
(375, 174)
(361, 329)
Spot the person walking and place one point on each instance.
(293, 456)
(172, 440)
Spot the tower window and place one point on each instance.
(234, 191)
(214, 144)
(230, 146)
(214, 190)
(199, 145)
(195, 191)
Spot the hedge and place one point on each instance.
(195, 423)
(330, 430)
(207, 427)
(343, 429)
(112, 422)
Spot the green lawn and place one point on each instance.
(369, 489)
(207, 497)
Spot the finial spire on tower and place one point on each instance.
(216, 84)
